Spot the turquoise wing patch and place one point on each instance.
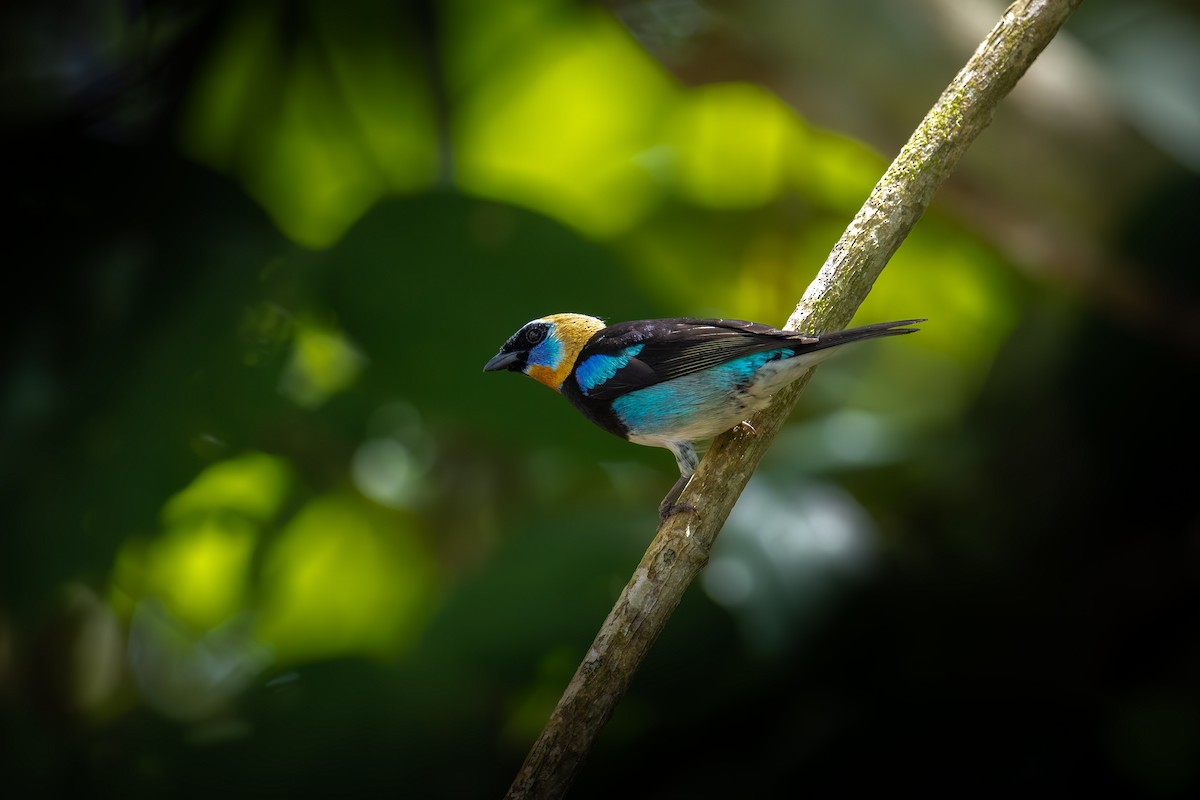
(597, 369)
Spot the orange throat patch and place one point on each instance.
(551, 377)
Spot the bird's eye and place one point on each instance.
(535, 335)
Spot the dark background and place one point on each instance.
(268, 527)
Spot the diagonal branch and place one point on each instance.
(683, 542)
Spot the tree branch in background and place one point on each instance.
(683, 542)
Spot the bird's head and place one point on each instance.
(546, 348)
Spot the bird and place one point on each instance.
(670, 382)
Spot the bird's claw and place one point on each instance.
(666, 511)
(746, 424)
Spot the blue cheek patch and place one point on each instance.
(548, 353)
(679, 403)
(598, 369)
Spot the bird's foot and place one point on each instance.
(668, 507)
(746, 424)
(668, 510)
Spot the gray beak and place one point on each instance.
(500, 361)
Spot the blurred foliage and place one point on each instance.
(268, 525)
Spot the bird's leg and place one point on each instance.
(668, 507)
(746, 424)
(686, 458)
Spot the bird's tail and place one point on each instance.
(838, 338)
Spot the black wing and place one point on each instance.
(672, 348)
